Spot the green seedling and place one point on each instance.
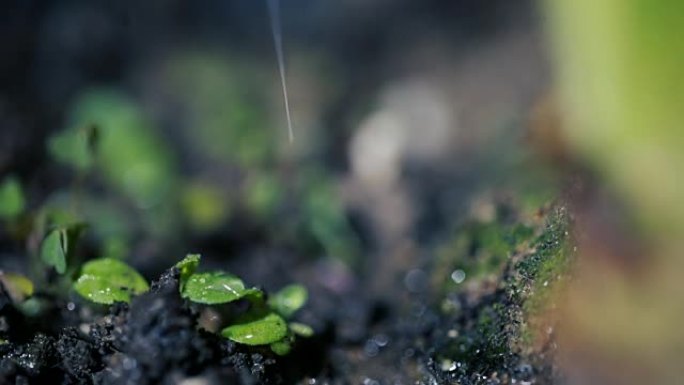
(53, 250)
(58, 244)
(257, 328)
(264, 324)
(106, 281)
(216, 288)
(187, 267)
(288, 300)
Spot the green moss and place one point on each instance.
(548, 262)
(479, 249)
(491, 334)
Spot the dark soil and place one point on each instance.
(154, 340)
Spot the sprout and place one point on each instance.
(107, 280)
(257, 328)
(53, 250)
(289, 299)
(215, 288)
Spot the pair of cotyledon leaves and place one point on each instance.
(59, 244)
(108, 280)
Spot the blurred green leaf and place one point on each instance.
(205, 206)
(281, 347)
(18, 286)
(301, 329)
(53, 250)
(33, 306)
(288, 300)
(133, 158)
(71, 147)
(12, 201)
(227, 123)
(257, 328)
(109, 280)
(115, 248)
(215, 288)
(264, 194)
(326, 219)
(619, 75)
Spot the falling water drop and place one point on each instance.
(274, 12)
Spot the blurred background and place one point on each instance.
(167, 118)
(161, 124)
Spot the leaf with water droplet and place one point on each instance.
(216, 287)
(257, 328)
(288, 300)
(187, 267)
(109, 280)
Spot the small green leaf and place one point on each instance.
(216, 287)
(187, 268)
(108, 280)
(11, 198)
(281, 347)
(289, 299)
(301, 329)
(53, 250)
(260, 328)
(18, 286)
(58, 244)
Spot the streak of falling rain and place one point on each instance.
(274, 12)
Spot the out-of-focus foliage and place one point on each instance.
(619, 70)
(224, 105)
(18, 286)
(288, 299)
(205, 206)
(12, 200)
(53, 250)
(110, 140)
(132, 157)
(59, 245)
(324, 218)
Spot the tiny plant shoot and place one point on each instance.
(107, 280)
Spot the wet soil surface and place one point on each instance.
(472, 335)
